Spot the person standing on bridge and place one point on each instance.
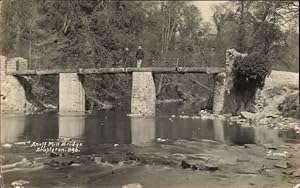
(125, 57)
(139, 56)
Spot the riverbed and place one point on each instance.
(111, 149)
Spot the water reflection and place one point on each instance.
(142, 130)
(40, 127)
(245, 134)
(71, 125)
(239, 134)
(107, 127)
(184, 129)
(261, 136)
(12, 127)
(219, 130)
(114, 127)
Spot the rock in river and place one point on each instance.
(296, 173)
(194, 167)
(210, 167)
(19, 183)
(185, 165)
(132, 185)
(283, 165)
(53, 154)
(247, 115)
(269, 146)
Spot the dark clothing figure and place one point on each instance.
(125, 57)
(139, 54)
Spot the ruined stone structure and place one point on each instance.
(72, 94)
(224, 81)
(219, 93)
(13, 97)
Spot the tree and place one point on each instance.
(255, 26)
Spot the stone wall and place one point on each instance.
(143, 95)
(13, 96)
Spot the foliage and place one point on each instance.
(250, 72)
(260, 26)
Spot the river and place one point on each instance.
(110, 133)
(115, 127)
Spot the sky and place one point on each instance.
(205, 8)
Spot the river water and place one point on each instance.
(159, 142)
(115, 127)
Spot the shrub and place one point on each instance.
(250, 72)
(290, 106)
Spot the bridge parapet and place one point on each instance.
(16, 64)
(118, 70)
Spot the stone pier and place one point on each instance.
(143, 95)
(12, 93)
(71, 93)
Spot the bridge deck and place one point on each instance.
(203, 70)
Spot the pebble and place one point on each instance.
(296, 173)
(273, 157)
(242, 160)
(185, 165)
(284, 165)
(53, 154)
(249, 145)
(22, 143)
(98, 160)
(194, 167)
(269, 146)
(66, 139)
(75, 164)
(290, 172)
(161, 140)
(19, 183)
(132, 185)
(211, 167)
(247, 171)
(7, 145)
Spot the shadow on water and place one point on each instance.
(114, 127)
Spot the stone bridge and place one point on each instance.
(72, 94)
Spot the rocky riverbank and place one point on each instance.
(276, 105)
(264, 164)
